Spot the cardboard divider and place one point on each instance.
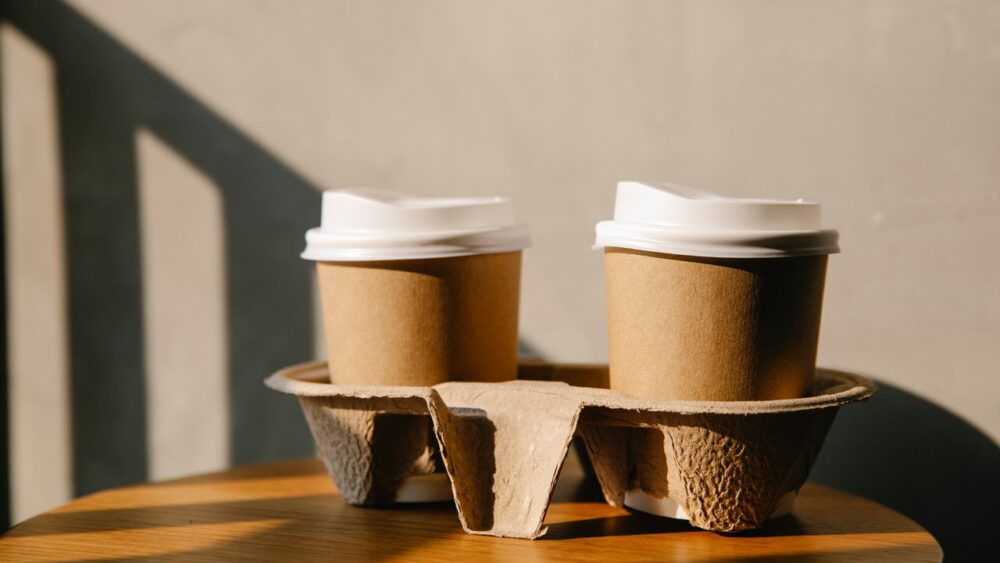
(726, 463)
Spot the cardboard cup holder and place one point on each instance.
(725, 465)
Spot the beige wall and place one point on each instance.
(887, 112)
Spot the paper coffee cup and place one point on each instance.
(418, 291)
(421, 321)
(712, 298)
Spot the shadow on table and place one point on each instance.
(118, 519)
(273, 528)
(637, 523)
(623, 525)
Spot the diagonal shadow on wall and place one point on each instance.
(105, 93)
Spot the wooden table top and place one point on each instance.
(290, 512)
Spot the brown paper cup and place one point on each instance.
(712, 329)
(421, 322)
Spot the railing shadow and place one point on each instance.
(105, 94)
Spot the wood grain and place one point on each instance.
(290, 512)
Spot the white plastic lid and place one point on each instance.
(676, 219)
(367, 224)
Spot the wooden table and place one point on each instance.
(290, 511)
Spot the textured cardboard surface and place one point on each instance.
(712, 329)
(421, 322)
(370, 453)
(727, 463)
